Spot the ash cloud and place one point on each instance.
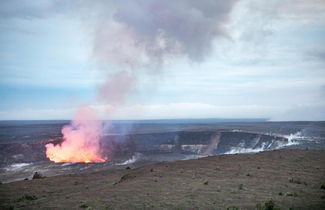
(25, 9)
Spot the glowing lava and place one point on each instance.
(81, 140)
(66, 153)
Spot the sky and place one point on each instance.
(149, 59)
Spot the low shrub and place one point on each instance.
(268, 205)
(27, 197)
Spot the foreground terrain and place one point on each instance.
(280, 179)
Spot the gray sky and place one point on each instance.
(147, 59)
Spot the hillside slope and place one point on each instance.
(291, 178)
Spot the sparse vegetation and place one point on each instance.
(322, 187)
(192, 195)
(297, 181)
(27, 197)
(290, 194)
(83, 206)
(233, 208)
(268, 205)
(209, 189)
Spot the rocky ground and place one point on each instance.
(283, 179)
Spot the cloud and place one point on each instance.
(30, 9)
(305, 11)
(314, 112)
(316, 54)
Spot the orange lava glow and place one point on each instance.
(81, 140)
(61, 154)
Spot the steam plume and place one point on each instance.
(134, 35)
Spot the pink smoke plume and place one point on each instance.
(81, 140)
(133, 36)
(115, 89)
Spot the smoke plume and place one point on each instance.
(81, 139)
(143, 34)
(133, 35)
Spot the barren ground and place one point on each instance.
(291, 178)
